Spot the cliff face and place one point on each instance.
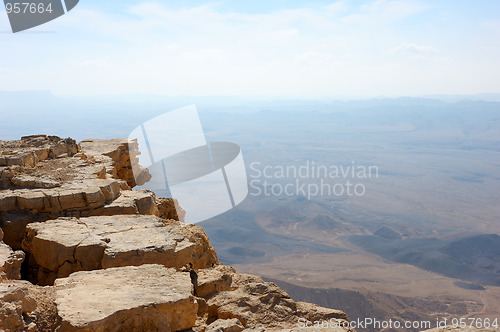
(80, 250)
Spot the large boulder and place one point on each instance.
(143, 298)
(65, 245)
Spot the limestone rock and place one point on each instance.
(214, 280)
(19, 207)
(62, 246)
(76, 196)
(225, 325)
(169, 208)
(25, 307)
(258, 303)
(10, 262)
(121, 153)
(29, 181)
(16, 306)
(64, 180)
(313, 312)
(31, 149)
(14, 226)
(144, 298)
(255, 329)
(131, 202)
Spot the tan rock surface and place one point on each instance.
(32, 149)
(10, 262)
(144, 298)
(214, 280)
(66, 180)
(119, 155)
(25, 307)
(130, 202)
(225, 325)
(16, 306)
(257, 303)
(62, 246)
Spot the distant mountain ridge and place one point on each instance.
(474, 258)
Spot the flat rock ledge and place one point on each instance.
(60, 247)
(144, 298)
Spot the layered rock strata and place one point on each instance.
(99, 256)
(66, 245)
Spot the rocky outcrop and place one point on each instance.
(45, 177)
(257, 303)
(143, 298)
(32, 149)
(113, 258)
(60, 247)
(119, 156)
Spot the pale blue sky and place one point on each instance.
(259, 48)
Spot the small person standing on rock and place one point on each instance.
(194, 277)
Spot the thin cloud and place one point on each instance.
(284, 33)
(92, 63)
(344, 47)
(383, 12)
(313, 57)
(204, 54)
(412, 49)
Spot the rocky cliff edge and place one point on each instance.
(81, 251)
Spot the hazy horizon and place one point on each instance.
(320, 48)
